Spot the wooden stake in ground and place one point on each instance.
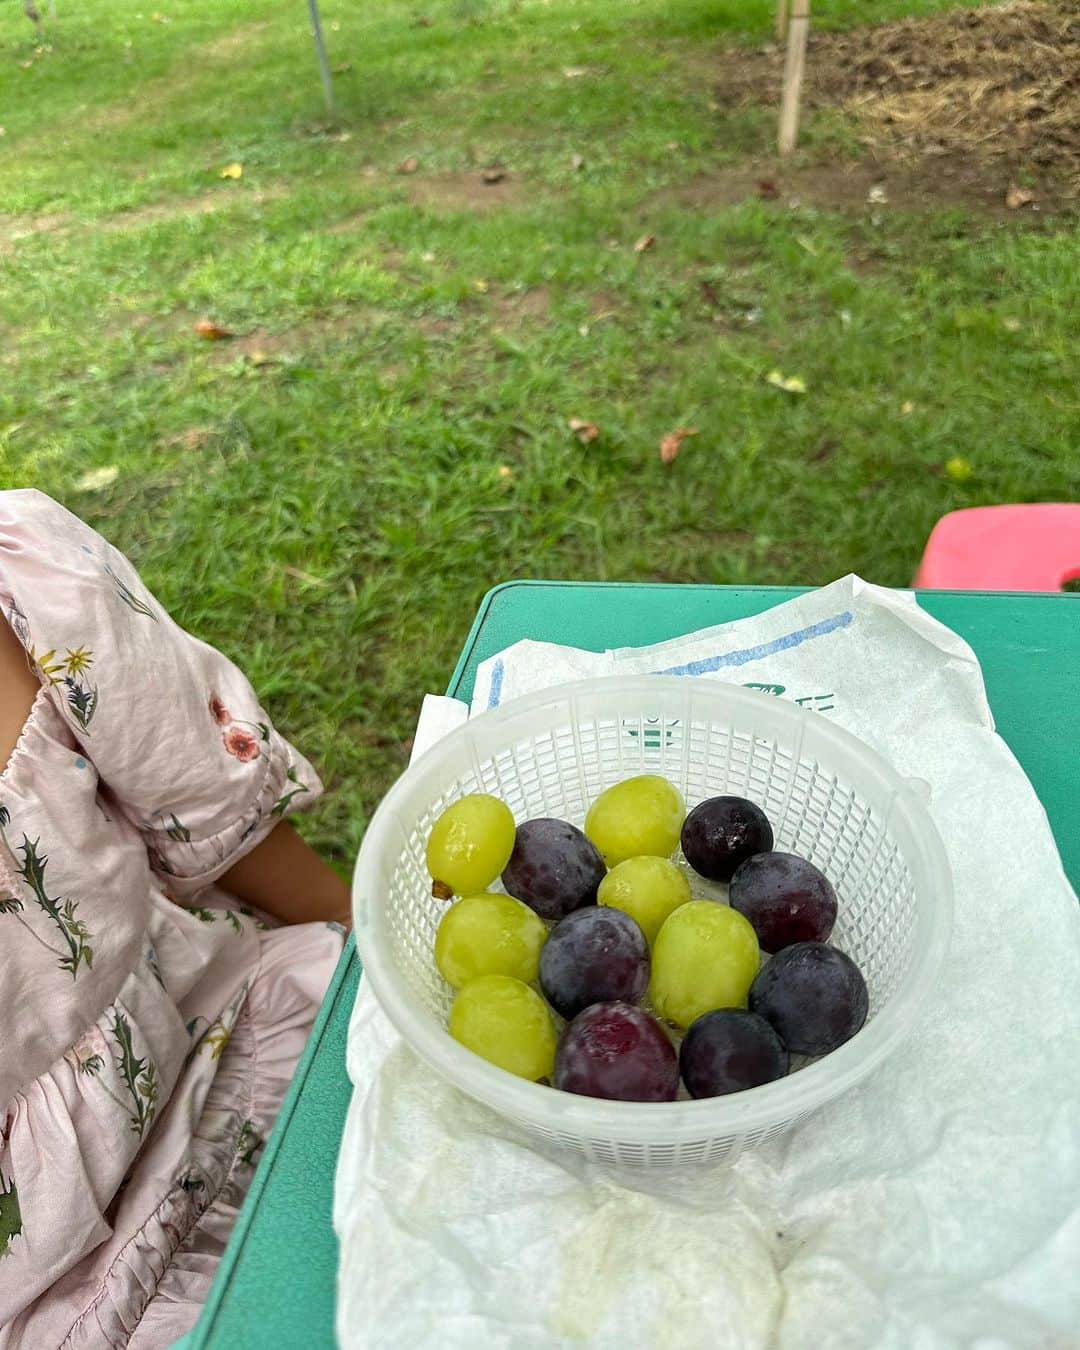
(781, 19)
(794, 65)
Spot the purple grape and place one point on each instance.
(814, 996)
(729, 1050)
(595, 955)
(723, 832)
(785, 897)
(554, 868)
(617, 1051)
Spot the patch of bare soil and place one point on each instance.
(13, 228)
(356, 221)
(994, 91)
(605, 304)
(868, 185)
(261, 346)
(437, 327)
(227, 46)
(466, 191)
(216, 199)
(522, 306)
(153, 323)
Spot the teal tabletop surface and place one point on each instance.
(276, 1282)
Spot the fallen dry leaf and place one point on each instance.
(790, 384)
(495, 174)
(1017, 197)
(958, 469)
(907, 407)
(233, 170)
(877, 196)
(409, 165)
(211, 331)
(306, 577)
(97, 479)
(576, 161)
(481, 285)
(424, 22)
(584, 431)
(767, 189)
(671, 444)
(646, 242)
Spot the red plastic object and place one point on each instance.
(1004, 548)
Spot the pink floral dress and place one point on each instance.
(149, 1025)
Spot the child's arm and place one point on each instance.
(18, 689)
(174, 730)
(286, 877)
(282, 875)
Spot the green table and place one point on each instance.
(276, 1283)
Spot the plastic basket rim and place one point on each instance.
(655, 1125)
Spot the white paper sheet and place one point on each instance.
(935, 1206)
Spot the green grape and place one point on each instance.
(469, 845)
(648, 889)
(639, 815)
(489, 934)
(507, 1023)
(705, 957)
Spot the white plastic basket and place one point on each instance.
(829, 798)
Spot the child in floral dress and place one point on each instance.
(165, 940)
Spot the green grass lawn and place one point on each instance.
(328, 496)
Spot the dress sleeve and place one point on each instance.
(173, 728)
